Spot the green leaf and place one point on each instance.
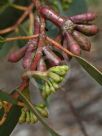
(93, 71)
(53, 133)
(6, 97)
(11, 121)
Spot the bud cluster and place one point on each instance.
(49, 80)
(27, 116)
(73, 29)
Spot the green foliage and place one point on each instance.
(93, 71)
(11, 121)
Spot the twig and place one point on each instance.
(59, 46)
(21, 38)
(31, 22)
(19, 7)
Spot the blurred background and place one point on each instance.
(80, 90)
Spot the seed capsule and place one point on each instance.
(89, 30)
(82, 18)
(73, 45)
(51, 56)
(83, 41)
(16, 56)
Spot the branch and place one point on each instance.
(59, 46)
(19, 7)
(40, 45)
(21, 38)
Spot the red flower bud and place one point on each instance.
(51, 56)
(32, 44)
(51, 15)
(82, 40)
(16, 56)
(72, 44)
(89, 30)
(83, 17)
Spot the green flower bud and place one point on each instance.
(22, 118)
(28, 117)
(55, 77)
(33, 118)
(47, 89)
(43, 112)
